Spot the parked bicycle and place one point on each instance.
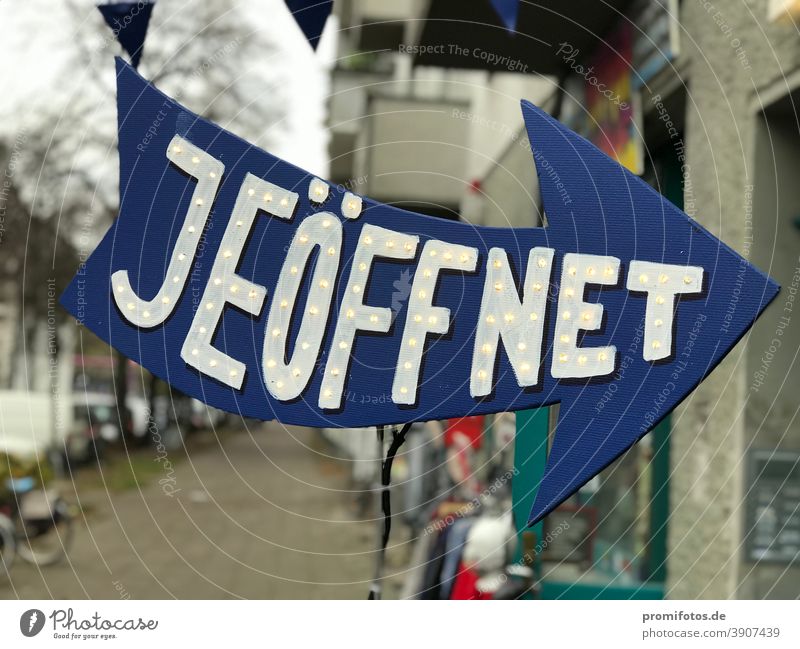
(35, 525)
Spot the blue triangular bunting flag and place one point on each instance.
(311, 15)
(508, 10)
(129, 21)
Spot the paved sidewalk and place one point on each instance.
(257, 515)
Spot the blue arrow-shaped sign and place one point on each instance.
(254, 286)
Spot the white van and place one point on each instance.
(32, 422)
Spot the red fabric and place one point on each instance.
(466, 585)
(470, 427)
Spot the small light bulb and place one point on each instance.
(643, 278)
(497, 263)
(567, 315)
(276, 332)
(343, 345)
(356, 288)
(498, 286)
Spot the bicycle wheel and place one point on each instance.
(8, 545)
(46, 541)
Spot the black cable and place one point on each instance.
(398, 437)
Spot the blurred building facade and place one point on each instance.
(699, 98)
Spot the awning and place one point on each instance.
(470, 35)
